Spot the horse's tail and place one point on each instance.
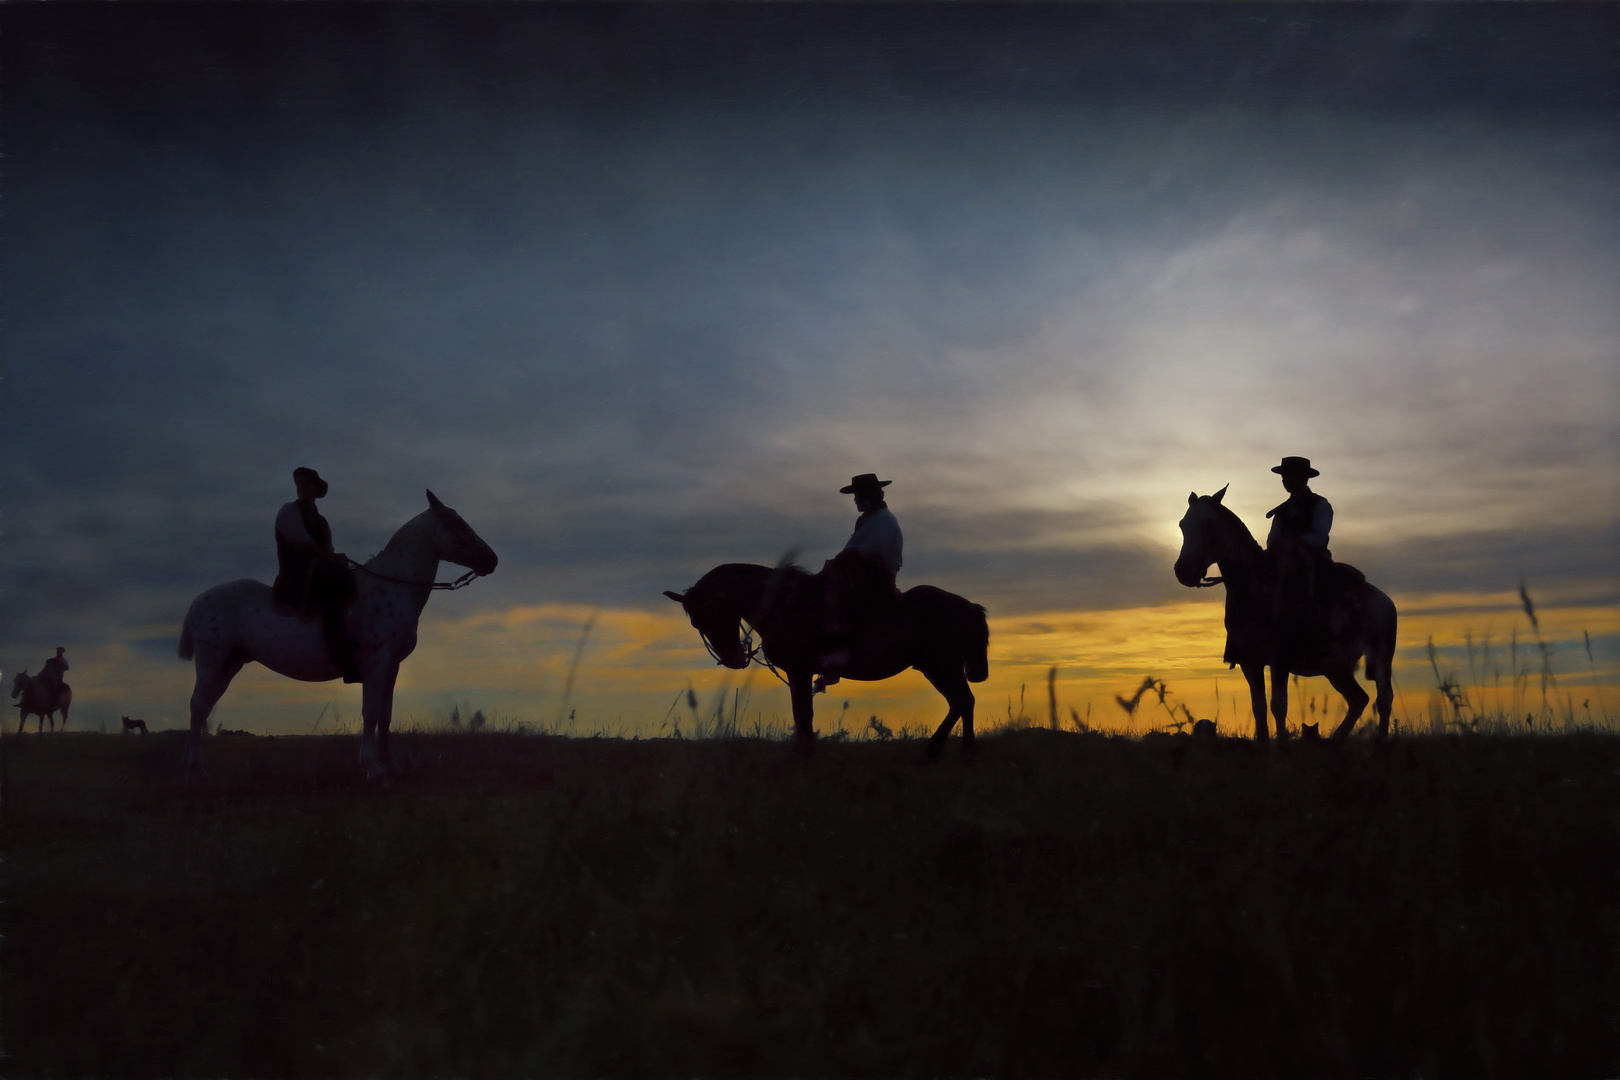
(977, 662)
(1380, 662)
(187, 649)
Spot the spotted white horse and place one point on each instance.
(234, 623)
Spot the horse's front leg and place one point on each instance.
(1255, 676)
(369, 696)
(804, 711)
(385, 716)
(376, 705)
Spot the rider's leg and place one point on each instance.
(338, 646)
(332, 591)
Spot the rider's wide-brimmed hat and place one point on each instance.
(1296, 465)
(303, 475)
(867, 481)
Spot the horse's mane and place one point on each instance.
(397, 534)
(789, 571)
(1228, 516)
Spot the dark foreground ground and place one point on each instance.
(1064, 905)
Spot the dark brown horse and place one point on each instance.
(1357, 620)
(40, 698)
(940, 634)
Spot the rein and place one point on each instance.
(449, 586)
(751, 653)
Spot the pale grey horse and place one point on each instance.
(236, 622)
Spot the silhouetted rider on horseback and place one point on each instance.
(312, 576)
(859, 580)
(54, 669)
(1298, 545)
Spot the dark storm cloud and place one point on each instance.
(635, 287)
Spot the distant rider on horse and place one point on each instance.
(54, 669)
(859, 578)
(1298, 544)
(312, 576)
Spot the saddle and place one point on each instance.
(1297, 622)
(855, 595)
(324, 594)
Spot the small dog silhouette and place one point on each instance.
(1309, 731)
(134, 725)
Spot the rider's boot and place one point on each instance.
(831, 665)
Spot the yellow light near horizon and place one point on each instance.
(1098, 655)
(634, 666)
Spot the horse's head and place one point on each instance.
(717, 615)
(1200, 537)
(454, 541)
(20, 683)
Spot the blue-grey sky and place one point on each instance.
(637, 288)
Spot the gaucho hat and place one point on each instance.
(302, 475)
(867, 481)
(1296, 465)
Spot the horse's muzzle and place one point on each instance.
(1190, 575)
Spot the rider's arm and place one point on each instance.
(1321, 525)
(877, 537)
(290, 527)
(1276, 530)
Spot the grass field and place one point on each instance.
(1063, 905)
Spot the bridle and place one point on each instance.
(752, 654)
(449, 586)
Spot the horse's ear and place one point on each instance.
(679, 598)
(433, 501)
(1219, 495)
(1192, 497)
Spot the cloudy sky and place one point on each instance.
(638, 288)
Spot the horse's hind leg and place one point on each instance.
(1345, 683)
(214, 677)
(953, 686)
(1385, 701)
